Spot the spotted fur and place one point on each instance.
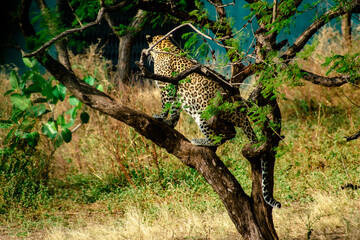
(194, 96)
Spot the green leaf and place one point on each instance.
(100, 87)
(32, 138)
(8, 92)
(47, 92)
(20, 101)
(38, 80)
(33, 88)
(14, 80)
(27, 125)
(72, 112)
(60, 120)
(27, 62)
(66, 135)
(49, 130)
(69, 124)
(5, 123)
(90, 80)
(59, 92)
(58, 140)
(73, 101)
(84, 116)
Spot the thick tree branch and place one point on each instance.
(353, 7)
(197, 68)
(324, 81)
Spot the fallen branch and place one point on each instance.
(353, 137)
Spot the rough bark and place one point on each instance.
(60, 46)
(125, 44)
(346, 30)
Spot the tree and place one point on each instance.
(251, 215)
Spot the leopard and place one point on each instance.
(194, 95)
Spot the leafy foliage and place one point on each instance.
(34, 98)
(348, 64)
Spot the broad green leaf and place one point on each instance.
(59, 92)
(100, 87)
(8, 92)
(32, 138)
(5, 123)
(27, 125)
(73, 101)
(16, 115)
(84, 116)
(27, 62)
(33, 88)
(9, 136)
(72, 112)
(58, 140)
(49, 130)
(90, 80)
(20, 101)
(39, 80)
(36, 110)
(66, 135)
(69, 124)
(14, 80)
(60, 120)
(47, 92)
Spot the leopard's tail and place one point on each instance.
(265, 185)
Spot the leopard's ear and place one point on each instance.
(149, 38)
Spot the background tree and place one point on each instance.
(250, 214)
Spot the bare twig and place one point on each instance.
(274, 11)
(65, 33)
(223, 5)
(99, 17)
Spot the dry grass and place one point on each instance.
(181, 224)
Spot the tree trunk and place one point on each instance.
(60, 46)
(346, 31)
(125, 44)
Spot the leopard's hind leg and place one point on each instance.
(206, 130)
